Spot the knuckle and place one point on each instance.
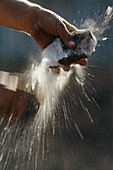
(59, 26)
(33, 29)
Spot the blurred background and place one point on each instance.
(96, 150)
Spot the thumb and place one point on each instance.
(65, 35)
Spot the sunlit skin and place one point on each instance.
(82, 62)
(43, 25)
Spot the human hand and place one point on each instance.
(42, 24)
(50, 25)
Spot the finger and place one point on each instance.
(42, 38)
(66, 68)
(56, 70)
(83, 62)
(65, 35)
(69, 26)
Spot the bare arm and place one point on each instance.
(42, 24)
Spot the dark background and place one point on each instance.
(95, 152)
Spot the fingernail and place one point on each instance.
(72, 43)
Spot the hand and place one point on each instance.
(82, 62)
(49, 25)
(42, 24)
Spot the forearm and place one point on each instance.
(11, 12)
(42, 24)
